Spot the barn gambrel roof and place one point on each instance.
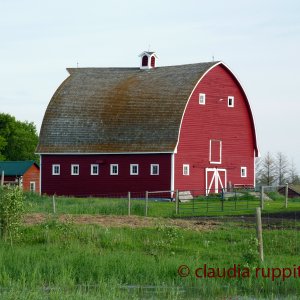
(119, 110)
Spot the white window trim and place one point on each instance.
(53, 170)
(232, 101)
(152, 167)
(202, 96)
(112, 167)
(220, 154)
(72, 169)
(131, 169)
(244, 170)
(92, 169)
(34, 186)
(187, 168)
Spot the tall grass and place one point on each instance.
(85, 261)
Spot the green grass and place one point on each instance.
(203, 206)
(67, 261)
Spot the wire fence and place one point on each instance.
(180, 203)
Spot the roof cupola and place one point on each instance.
(148, 60)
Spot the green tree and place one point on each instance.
(2, 146)
(18, 140)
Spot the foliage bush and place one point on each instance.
(11, 211)
(275, 196)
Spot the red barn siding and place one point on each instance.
(32, 175)
(216, 121)
(86, 184)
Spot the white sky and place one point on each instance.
(259, 40)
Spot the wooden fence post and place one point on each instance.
(2, 178)
(146, 207)
(286, 194)
(54, 204)
(129, 204)
(262, 197)
(222, 199)
(177, 202)
(259, 234)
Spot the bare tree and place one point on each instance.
(266, 173)
(281, 168)
(293, 174)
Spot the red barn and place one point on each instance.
(186, 127)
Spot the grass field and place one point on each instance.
(90, 249)
(66, 260)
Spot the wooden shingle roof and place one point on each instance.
(113, 110)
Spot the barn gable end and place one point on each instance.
(217, 139)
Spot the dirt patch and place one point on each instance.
(124, 221)
(32, 219)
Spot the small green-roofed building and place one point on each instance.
(25, 174)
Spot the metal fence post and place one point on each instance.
(259, 234)
(262, 197)
(177, 203)
(286, 194)
(146, 207)
(129, 204)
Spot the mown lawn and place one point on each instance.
(55, 260)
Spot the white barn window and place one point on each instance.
(55, 169)
(154, 169)
(230, 101)
(94, 169)
(114, 169)
(202, 99)
(74, 169)
(32, 186)
(243, 171)
(134, 169)
(186, 170)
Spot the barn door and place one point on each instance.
(216, 180)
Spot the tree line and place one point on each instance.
(18, 140)
(276, 170)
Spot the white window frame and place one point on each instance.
(186, 169)
(243, 171)
(34, 186)
(220, 154)
(72, 169)
(230, 99)
(152, 169)
(53, 169)
(112, 169)
(202, 99)
(92, 169)
(132, 171)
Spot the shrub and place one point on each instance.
(11, 211)
(275, 196)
